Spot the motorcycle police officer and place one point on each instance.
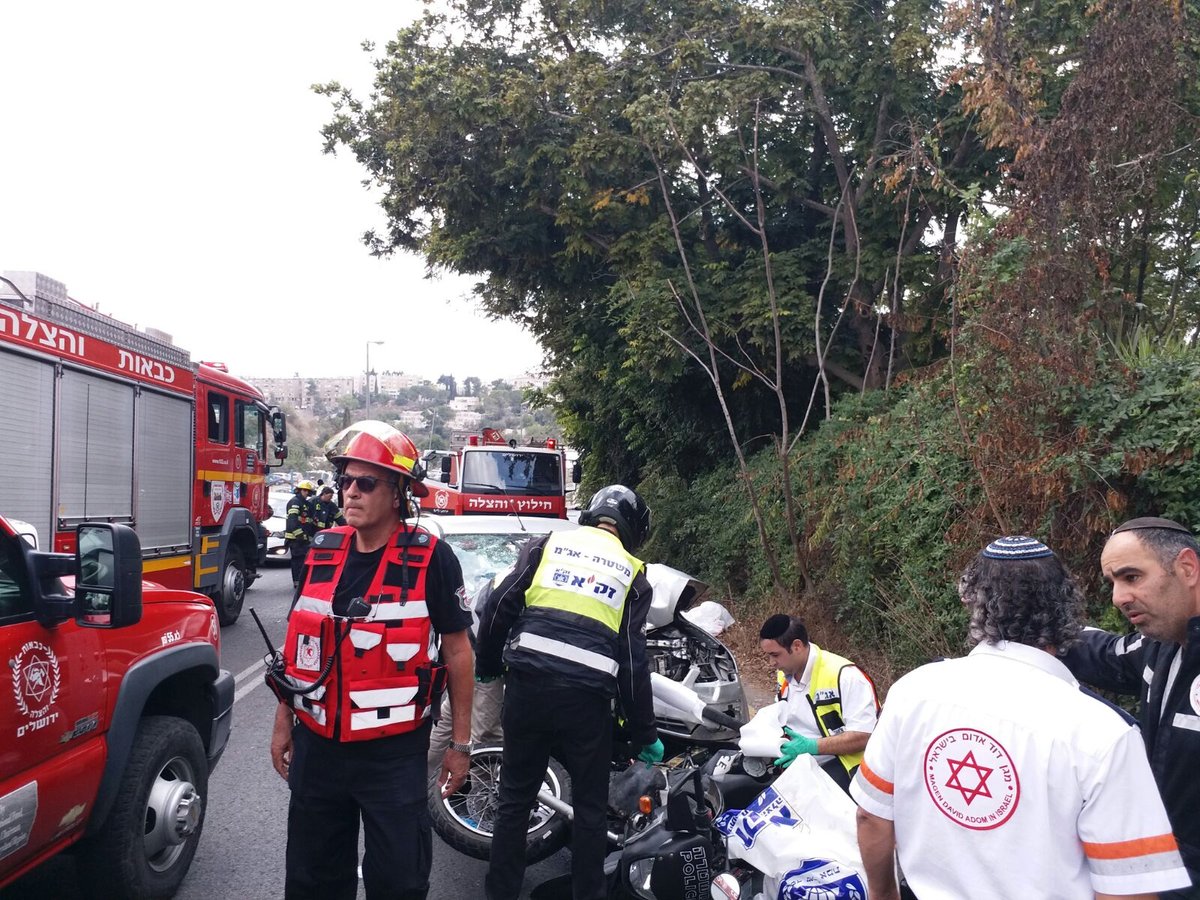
(301, 526)
(569, 621)
(378, 629)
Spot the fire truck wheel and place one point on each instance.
(148, 841)
(233, 587)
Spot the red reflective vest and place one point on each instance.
(383, 678)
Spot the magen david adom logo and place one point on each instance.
(971, 778)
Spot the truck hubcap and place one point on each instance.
(235, 584)
(173, 814)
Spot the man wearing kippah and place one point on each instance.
(831, 706)
(995, 776)
(1153, 566)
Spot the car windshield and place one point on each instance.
(512, 472)
(482, 556)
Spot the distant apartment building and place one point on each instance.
(292, 391)
(392, 383)
(464, 404)
(466, 420)
(530, 380)
(303, 393)
(412, 418)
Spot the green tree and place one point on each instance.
(546, 152)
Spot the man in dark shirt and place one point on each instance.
(569, 623)
(1153, 565)
(363, 677)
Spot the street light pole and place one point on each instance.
(368, 385)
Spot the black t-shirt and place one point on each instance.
(448, 613)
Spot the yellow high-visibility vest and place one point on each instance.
(586, 572)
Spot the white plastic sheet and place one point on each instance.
(763, 735)
(802, 816)
(709, 615)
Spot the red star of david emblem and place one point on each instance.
(958, 767)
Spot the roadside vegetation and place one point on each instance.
(847, 289)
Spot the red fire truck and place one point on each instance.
(100, 421)
(489, 475)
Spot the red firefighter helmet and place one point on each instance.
(380, 444)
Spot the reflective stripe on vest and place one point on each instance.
(562, 650)
(825, 697)
(380, 683)
(586, 572)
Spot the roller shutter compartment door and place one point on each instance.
(164, 470)
(26, 442)
(95, 449)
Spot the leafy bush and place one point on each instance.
(894, 509)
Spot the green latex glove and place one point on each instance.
(485, 679)
(797, 745)
(651, 753)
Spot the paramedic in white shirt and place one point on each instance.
(995, 776)
(831, 705)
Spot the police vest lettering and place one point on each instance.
(587, 573)
(384, 677)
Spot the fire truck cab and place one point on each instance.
(489, 475)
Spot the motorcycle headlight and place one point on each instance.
(640, 871)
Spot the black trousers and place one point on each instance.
(333, 785)
(541, 719)
(299, 550)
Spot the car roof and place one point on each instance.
(509, 524)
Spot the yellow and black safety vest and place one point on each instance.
(587, 575)
(825, 696)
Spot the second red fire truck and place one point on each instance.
(490, 475)
(100, 421)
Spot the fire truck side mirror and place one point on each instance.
(445, 474)
(279, 433)
(576, 472)
(108, 576)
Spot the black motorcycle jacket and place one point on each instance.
(1133, 664)
(504, 619)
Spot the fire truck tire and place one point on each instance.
(147, 843)
(233, 587)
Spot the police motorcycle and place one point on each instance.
(465, 819)
(706, 712)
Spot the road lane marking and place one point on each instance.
(249, 670)
(246, 688)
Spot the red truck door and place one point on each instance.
(51, 722)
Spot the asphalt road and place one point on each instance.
(245, 831)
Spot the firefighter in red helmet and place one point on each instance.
(378, 631)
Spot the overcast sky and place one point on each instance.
(164, 161)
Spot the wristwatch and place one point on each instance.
(466, 747)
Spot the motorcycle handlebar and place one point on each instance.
(719, 718)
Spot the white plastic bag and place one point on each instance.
(763, 735)
(804, 815)
(709, 615)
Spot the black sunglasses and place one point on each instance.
(366, 483)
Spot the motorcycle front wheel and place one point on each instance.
(465, 819)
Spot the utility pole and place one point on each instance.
(368, 385)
